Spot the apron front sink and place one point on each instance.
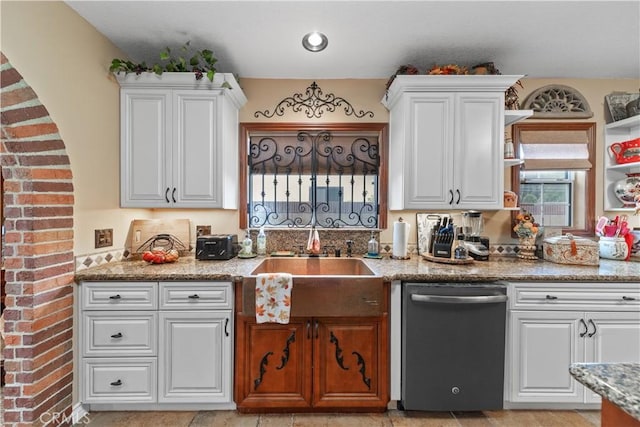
(314, 267)
(323, 287)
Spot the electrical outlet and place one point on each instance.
(203, 230)
(104, 237)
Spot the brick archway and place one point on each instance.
(38, 258)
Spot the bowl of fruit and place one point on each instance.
(160, 256)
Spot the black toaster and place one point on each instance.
(217, 247)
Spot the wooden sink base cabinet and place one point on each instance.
(331, 356)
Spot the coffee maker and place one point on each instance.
(472, 225)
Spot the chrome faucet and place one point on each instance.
(349, 248)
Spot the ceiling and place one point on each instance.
(371, 39)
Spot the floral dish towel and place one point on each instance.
(273, 297)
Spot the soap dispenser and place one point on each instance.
(262, 242)
(372, 246)
(247, 244)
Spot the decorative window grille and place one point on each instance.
(324, 179)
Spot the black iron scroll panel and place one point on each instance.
(319, 163)
(263, 363)
(314, 103)
(285, 351)
(363, 369)
(283, 362)
(339, 358)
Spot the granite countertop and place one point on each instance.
(619, 383)
(414, 269)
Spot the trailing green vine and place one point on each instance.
(200, 62)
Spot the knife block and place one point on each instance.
(442, 250)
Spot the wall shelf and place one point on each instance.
(514, 116)
(512, 162)
(622, 130)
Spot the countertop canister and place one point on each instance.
(400, 239)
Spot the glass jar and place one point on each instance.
(613, 248)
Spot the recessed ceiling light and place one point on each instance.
(315, 41)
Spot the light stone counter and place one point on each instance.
(415, 269)
(619, 383)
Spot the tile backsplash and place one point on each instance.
(290, 240)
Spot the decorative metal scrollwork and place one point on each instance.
(314, 103)
(339, 358)
(557, 102)
(263, 363)
(322, 179)
(363, 369)
(285, 351)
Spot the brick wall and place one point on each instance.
(38, 258)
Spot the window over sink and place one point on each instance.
(301, 175)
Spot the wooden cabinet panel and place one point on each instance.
(272, 364)
(312, 364)
(349, 366)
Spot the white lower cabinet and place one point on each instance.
(150, 345)
(194, 361)
(552, 326)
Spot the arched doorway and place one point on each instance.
(37, 257)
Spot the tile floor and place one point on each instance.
(391, 418)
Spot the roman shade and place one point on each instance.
(555, 149)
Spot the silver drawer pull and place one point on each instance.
(118, 335)
(116, 383)
(551, 297)
(194, 296)
(482, 299)
(115, 297)
(626, 298)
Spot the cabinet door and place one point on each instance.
(428, 152)
(478, 150)
(146, 128)
(195, 357)
(612, 337)
(350, 367)
(273, 364)
(543, 345)
(197, 161)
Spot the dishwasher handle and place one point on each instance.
(446, 299)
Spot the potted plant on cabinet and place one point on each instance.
(200, 62)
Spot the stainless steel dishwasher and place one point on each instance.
(453, 342)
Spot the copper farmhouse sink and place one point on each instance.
(323, 287)
(314, 267)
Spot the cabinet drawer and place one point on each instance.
(119, 333)
(583, 296)
(121, 380)
(196, 295)
(119, 295)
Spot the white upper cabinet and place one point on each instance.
(179, 141)
(446, 141)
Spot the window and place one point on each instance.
(548, 196)
(556, 183)
(303, 176)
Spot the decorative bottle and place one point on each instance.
(372, 246)
(247, 244)
(262, 242)
(460, 251)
